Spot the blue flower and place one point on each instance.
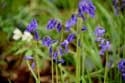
(69, 39)
(55, 55)
(86, 6)
(47, 41)
(51, 24)
(104, 47)
(61, 51)
(84, 28)
(71, 22)
(28, 58)
(31, 27)
(99, 32)
(36, 35)
(50, 51)
(59, 27)
(121, 68)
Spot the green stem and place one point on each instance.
(106, 69)
(28, 64)
(52, 69)
(56, 73)
(78, 54)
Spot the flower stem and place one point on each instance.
(56, 73)
(52, 69)
(106, 69)
(28, 64)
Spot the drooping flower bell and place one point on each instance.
(47, 41)
(69, 39)
(51, 24)
(31, 27)
(121, 68)
(99, 32)
(71, 22)
(36, 35)
(86, 6)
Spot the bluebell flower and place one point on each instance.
(104, 47)
(61, 51)
(33, 65)
(51, 24)
(36, 35)
(28, 57)
(99, 32)
(50, 50)
(84, 28)
(86, 6)
(70, 37)
(47, 41)
(59, 27)
(31, 27)
(72, 21)
(55, 55)
(121, 68)
(60, 61)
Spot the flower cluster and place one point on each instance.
(86, 6)
(104, 44)
(121, 68)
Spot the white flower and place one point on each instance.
(17, 34)
(27, 36)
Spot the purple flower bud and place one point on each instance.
(71, 22)
(36, 35)
(121, 66)
(28, 57)
(51, 24)
(59, 27)
(84, 28)
(55, 55)
(61, 51)
(123, 76)
(50, 51)
(33, 65)
(47, 41)
(31, 27)
(86, 6)
(70, 37)
(99, 31)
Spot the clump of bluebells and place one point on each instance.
(103, 43)
(121, 68)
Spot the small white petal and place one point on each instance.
(17, 34)
(27, 36)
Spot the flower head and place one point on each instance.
(31, 27)
(71, 22)
(86, 6)
(51, 24)
(70, 37)
(47, 41)
(99, 31)
(84, 28)
(36, 35)
(59, 27)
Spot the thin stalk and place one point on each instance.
(61, 71)
(37, 65)
(34, 75)
(52, 69)
(56, 73)
(78, 54)
(106, 69)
